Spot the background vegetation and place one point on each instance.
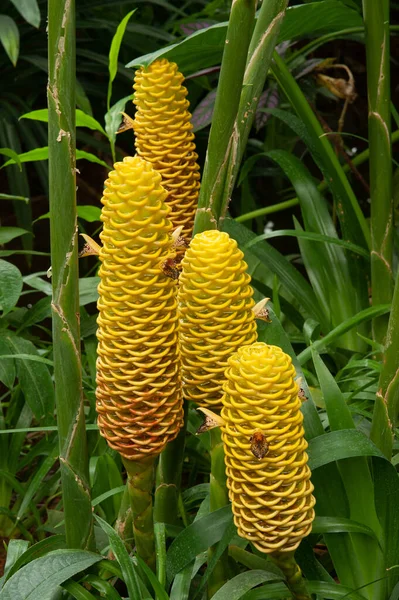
(314, 207)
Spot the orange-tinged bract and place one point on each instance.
(216, 316)
(139, 400)
(164, 137)
(270, 491)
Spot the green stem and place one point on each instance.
(168, 479)
(293, 574)
(260, 54)
(376, 20)
(140, 483)
(64, 262)
(212, 194)
(218, 498)
(386, 407)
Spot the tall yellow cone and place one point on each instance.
(216, 316)
(265, 450)
(164, 137)
(139, 399)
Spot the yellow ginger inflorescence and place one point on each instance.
(139, 399)
(164, 137)
(265, 450)
(216, 316)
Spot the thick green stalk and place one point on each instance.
(168, 478)
(260, 54)
(221, 138)
(293, 575)
(386, 407)
(64, 262)
(218, 497)
(376, 21)
(140, 483)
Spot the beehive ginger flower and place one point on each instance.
(164, 137)
(265, 450)
(139, 398)
(216, 313)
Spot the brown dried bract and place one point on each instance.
(259, 445)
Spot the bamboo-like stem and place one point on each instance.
(218, 498)
(386, 407)
(140, 483)
(168, 478)
(260, 53)
(286, 562)
(376, 21)
(64, 262)
(239, 31)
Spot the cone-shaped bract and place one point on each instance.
(164, 137)
(216, 316)
(139, 399)
(266, 463)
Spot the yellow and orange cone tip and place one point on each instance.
(216, 316)
(164, 137)
(265, 450)
(139, 399)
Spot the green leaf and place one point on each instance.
(204, 48)
(294, 282)
(333, 590)
(337, 445)
(29, 10)
(77, 591)
(9, 37)
(39, 311)
(386, 491)
(55, 542)
(329, 338)
(88, 290)
(313, 237)
(196, 538)
(130, 576)
(114, 53)
(42, 154)
(37, 481)
(12, 196)
(353, 222)
(340, 525)
(113, 119)
(88, 213)
(240, 584)
(7, 366)
(15, 549)
(10, 233)
(11, 154)
(34, 379)
(10, 286)
(272, 591)
(41, 577)
(82, 119)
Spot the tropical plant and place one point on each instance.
(121, 498)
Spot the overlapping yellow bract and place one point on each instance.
(216, 317)
(164, 137)
(271, 497)
(139, 400)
